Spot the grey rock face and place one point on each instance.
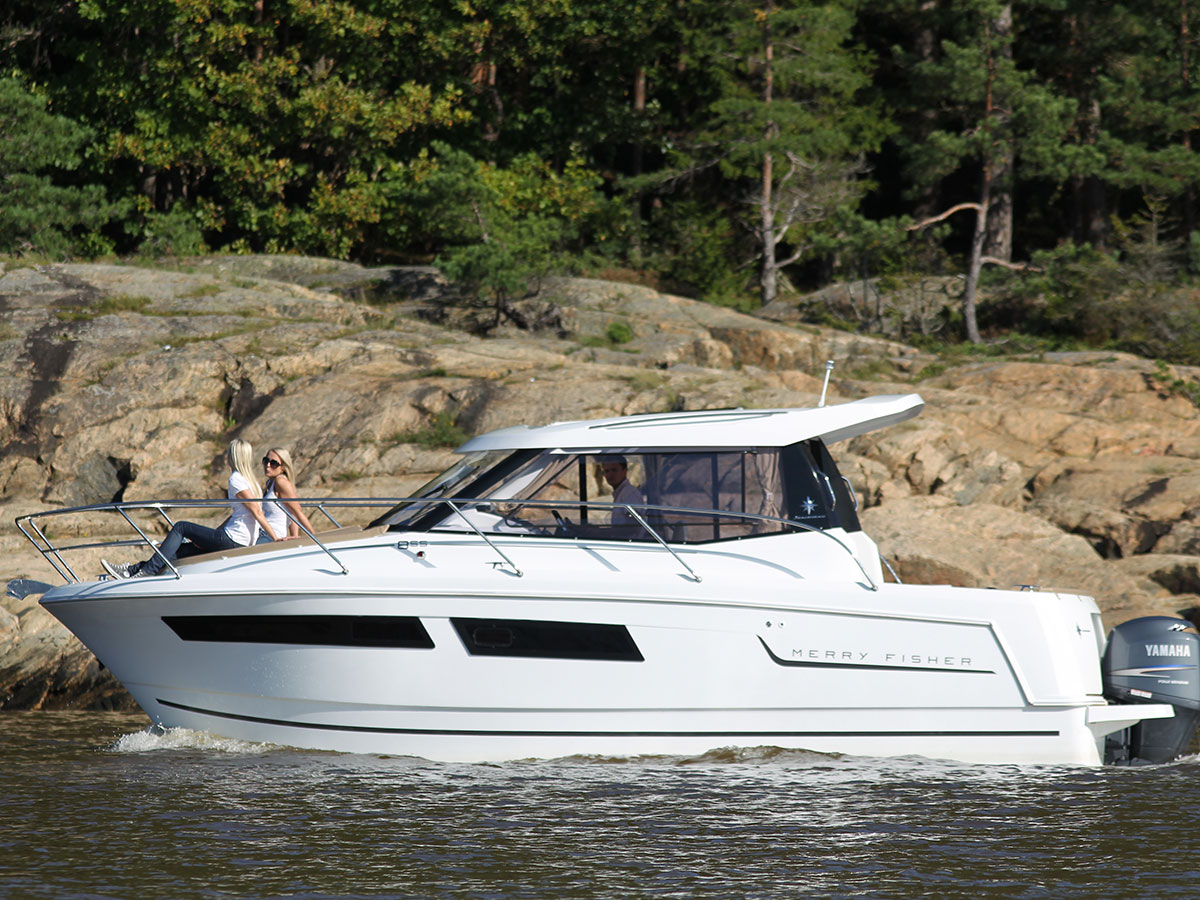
(127, 383)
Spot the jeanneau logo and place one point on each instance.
(1168, 649)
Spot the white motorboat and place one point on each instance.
(517, 608)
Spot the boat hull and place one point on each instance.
(547, 665)
(1042, 737)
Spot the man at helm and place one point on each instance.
(616, 473)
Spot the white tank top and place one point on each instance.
(273, 512)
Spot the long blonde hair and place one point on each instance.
(241, 459)
(286, 459)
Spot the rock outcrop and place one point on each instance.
(118, 382)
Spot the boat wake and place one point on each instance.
(156, 738)
(763, 755)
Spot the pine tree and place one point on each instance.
(993, 111)
(789, 127)
(40, 209)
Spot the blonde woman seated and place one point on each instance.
(277, 465)
(239, 530)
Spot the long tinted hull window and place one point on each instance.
(330, 631)
(549, 640)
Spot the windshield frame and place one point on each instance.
(464, 479)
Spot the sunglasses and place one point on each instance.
(273, 463)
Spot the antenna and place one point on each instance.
(825, 386)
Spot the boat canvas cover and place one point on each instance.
(708, 429)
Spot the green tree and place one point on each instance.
(40, 209)
(275, 122)
(1151, 108)
(1082, 48)
(996, 111)
(790, 125)
(609, 83)
(502, 228)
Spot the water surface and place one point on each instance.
(92, 805)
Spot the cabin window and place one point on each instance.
(846, 506)
(733, 483)
(685, 496)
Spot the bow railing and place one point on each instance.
(490, 519)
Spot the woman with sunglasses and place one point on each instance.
(239, 530)
(277, 465)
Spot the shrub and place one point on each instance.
(619, 333)
(174, 233)
(444, 431)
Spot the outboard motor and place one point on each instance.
(1155, 659)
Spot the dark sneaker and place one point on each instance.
(120, 570)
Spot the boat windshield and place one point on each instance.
(448, 484)
(685, 496)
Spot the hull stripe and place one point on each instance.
(370, 729)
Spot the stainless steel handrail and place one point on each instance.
(145, 537)
(647, 507)
(53, 554)
(665, 546)
(320, 507)
(341, 565)
(853, 495)
(475, 528)
(883, 560)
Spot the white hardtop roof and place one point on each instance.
(707, 429)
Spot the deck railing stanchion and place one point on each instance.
(475, 529)
(341, 565)
(52, 551)
(654, 534)
(147, 539)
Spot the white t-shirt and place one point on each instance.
(626, 493)
(241, 526)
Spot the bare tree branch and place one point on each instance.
(917, 226)
(483, 231)
(795, 256)
(1016, 267)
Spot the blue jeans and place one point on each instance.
(204, 539)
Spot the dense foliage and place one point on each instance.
(730, 149)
